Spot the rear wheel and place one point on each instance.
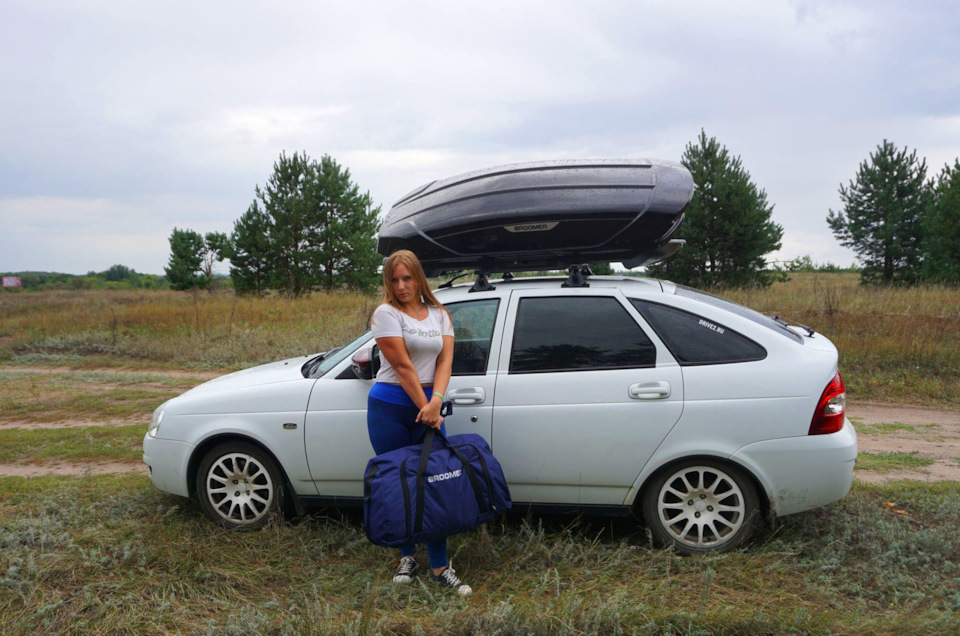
(701, 506)
(239, 486)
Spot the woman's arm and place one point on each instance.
(430, 413)
(395, 351)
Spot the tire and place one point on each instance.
(239, 486)
(700, 506)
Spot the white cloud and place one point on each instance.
(130, 118)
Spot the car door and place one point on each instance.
(585, 394)
(336, 438)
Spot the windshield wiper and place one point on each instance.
(311, 365)
(786, 323)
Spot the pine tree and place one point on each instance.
(320, 229)
(186, 257)
(288, 202)
(727, 224)
(882, 216)
(249, 252)
(941, 261)
(346, 252)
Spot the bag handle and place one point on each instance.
(429, 436)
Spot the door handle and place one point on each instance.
(649, 390)
(471, 395)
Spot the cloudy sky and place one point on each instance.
(121, 120)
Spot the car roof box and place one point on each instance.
(542, 215)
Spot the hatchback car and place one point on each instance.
(626, 396)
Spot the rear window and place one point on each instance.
(695, 340)
(740, 310)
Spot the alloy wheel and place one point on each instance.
(239, 488)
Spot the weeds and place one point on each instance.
(892, 341)
(36, 397)
(113, 443)
(884, 428)
(887, 462)
(113, 555)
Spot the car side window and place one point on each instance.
(577, 334)
(473, 330)
(695, 340)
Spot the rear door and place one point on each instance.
(585, 394)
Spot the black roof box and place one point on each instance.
(542, 215)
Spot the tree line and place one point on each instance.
(115, 277)
(310, 228)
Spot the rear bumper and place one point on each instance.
(801, 473)
(167, 460)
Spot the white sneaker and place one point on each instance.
(449, 578)
(404, 575)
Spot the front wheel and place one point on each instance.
(701, 506)
(239, 486)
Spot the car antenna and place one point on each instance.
(449, 283)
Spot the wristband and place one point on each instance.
(440, 394)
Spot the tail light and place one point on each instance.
(828, 418)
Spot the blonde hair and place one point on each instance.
(408, 258)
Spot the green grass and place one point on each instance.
(77, 395)
(89, 443)
(895, 344)
(883, 428)
(99, 555)
(887, 462)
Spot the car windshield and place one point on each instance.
(333, 357)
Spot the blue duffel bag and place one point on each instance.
(430, 490)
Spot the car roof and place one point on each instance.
(626, 283)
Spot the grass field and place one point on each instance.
(36, 397)
(93, 443)
(899, 344)
(110, 554)
(107, 554)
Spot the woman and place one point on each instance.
(415, 336)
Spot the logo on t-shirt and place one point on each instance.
(416, 331)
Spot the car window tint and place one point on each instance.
(740, 310)
(473, 330)
(577, 334)
(696, 340)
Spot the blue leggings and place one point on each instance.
(393, 426)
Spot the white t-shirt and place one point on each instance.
(423, 339)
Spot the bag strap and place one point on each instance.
(422, 470)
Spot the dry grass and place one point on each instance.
(112, 555)
(71, 396)
(173, 329)
(896, 344)
(82, 444)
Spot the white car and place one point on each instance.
(629, 395)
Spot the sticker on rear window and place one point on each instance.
(711, 326)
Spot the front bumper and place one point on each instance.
(802, 473)
(167, 460)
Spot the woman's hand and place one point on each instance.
(429, 415)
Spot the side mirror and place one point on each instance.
(366, 363)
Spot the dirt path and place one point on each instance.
(78, 423)
(70, 468)
(930, 433)
(172, 373)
